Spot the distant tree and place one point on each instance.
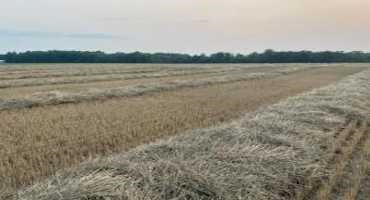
(222, 57)
(268, 56)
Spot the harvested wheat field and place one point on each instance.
(152, 132)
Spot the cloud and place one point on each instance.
(201, 21)
(119, 19)
(43, 34)
(155, 20)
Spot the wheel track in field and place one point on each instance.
(354, 176)
(346, 165)
(363, 192)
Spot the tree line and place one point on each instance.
(268, 56)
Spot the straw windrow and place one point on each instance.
(58, 97)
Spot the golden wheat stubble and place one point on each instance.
(41, 140)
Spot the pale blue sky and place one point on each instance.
(190, 26)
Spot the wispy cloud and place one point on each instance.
(153, 20)
(44, 34)
(201, 21)
(119, 19)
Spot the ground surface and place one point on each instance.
(38, 141)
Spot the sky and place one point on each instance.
(184, 26)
